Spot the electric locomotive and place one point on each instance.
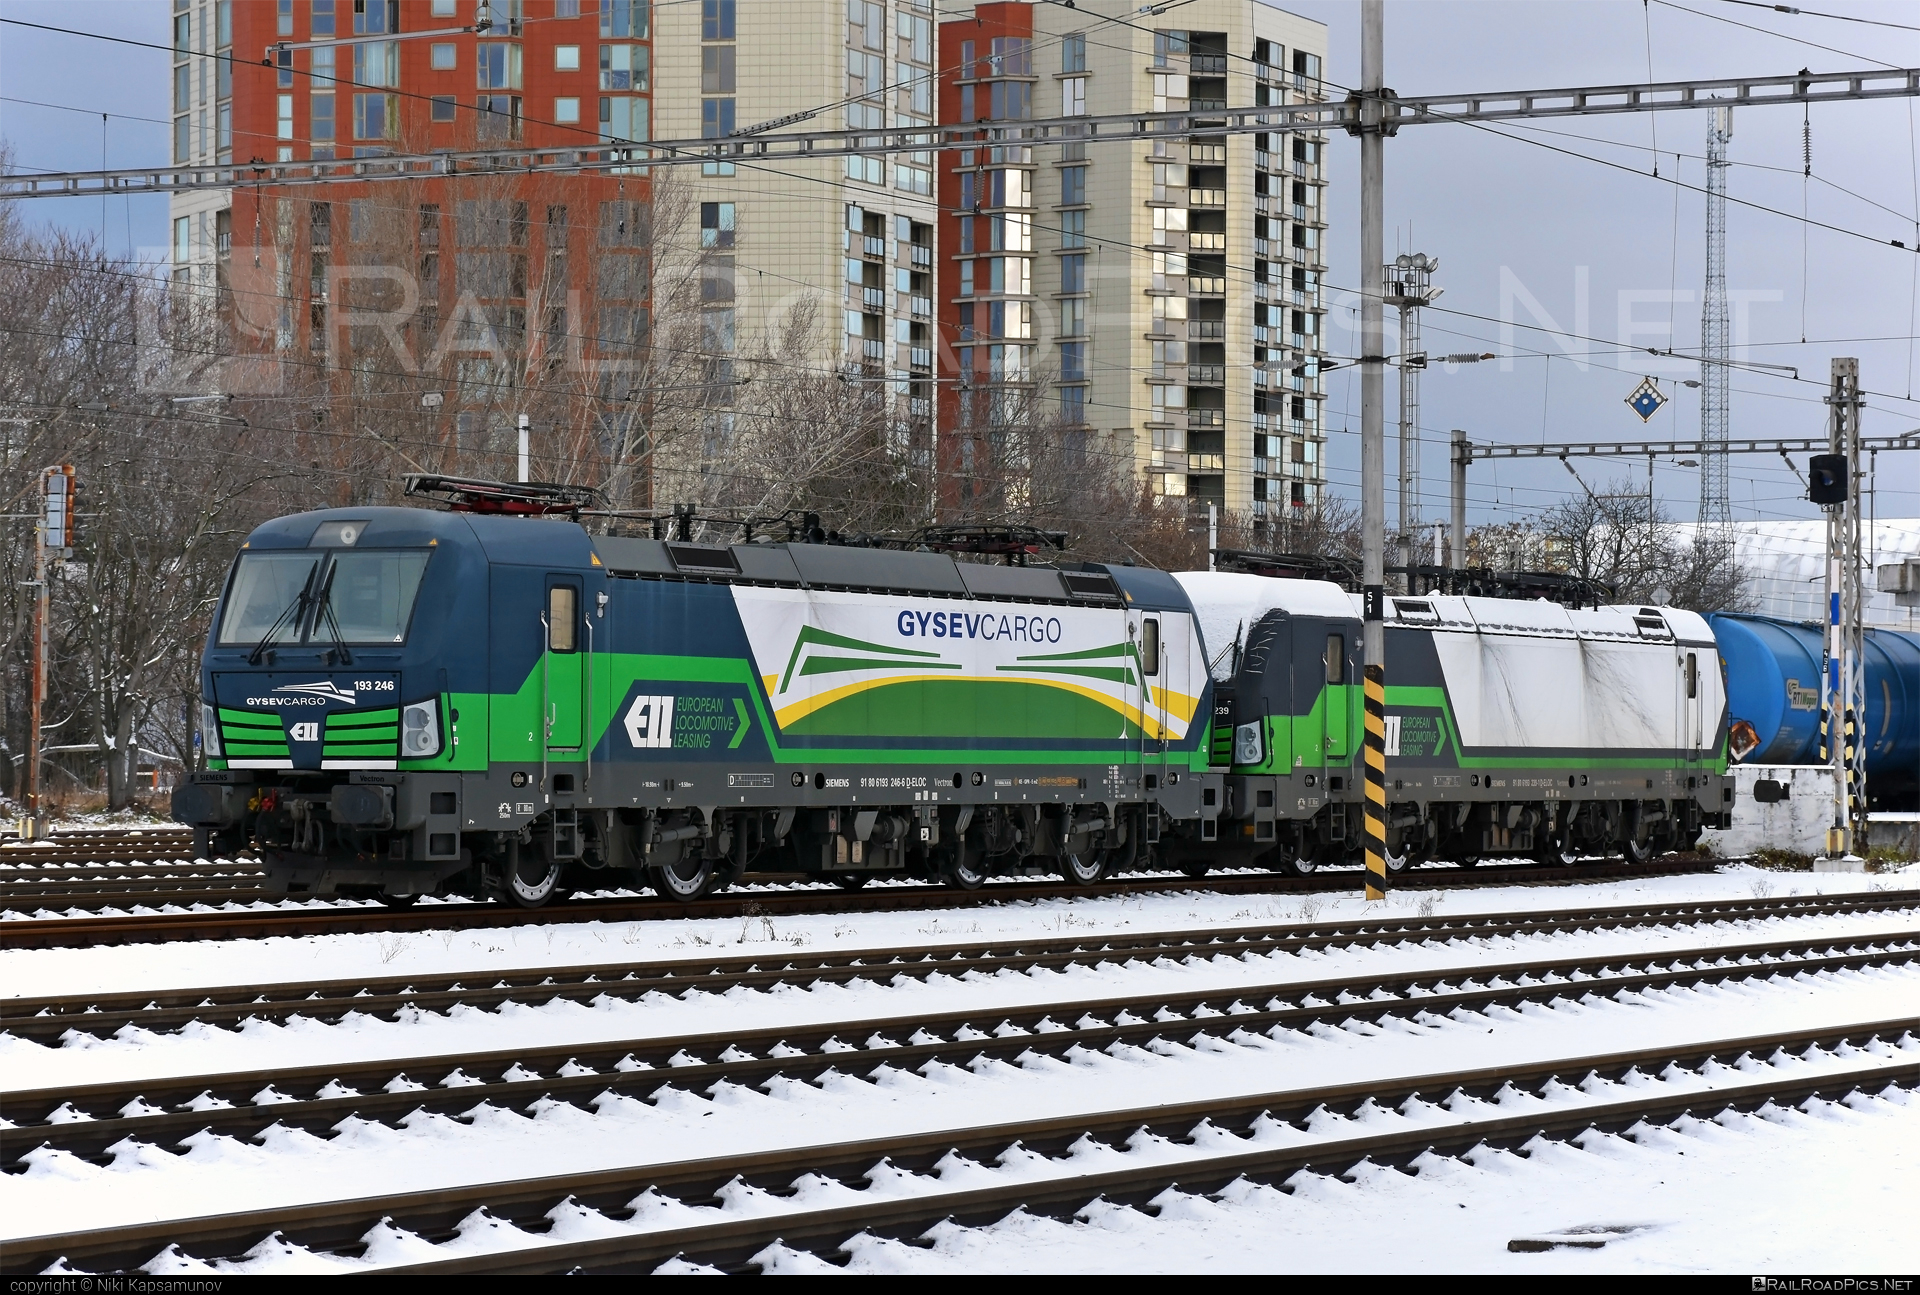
(1512, 728)
(401, 701)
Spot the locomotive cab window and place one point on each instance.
(1150, 645)
(1693, 675)
(361, 596)
(562, 612)
(1336, 658)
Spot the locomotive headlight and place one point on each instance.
(420, 730)
(210, 731)
(1247, 746)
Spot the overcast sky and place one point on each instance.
(1494, 209)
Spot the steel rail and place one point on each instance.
(641, 1066)
(51, 1017)
(340, 1225)
(63, 932)
(639, 156)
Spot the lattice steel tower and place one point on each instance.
(1714, 509)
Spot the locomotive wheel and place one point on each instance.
(684, 881)
(1398, 863)
(1636, 852)
(1083, 867)
(964, 870)
(1296, 861)
(535, 883)
(850, 880)
(398, 901)
(1195, 867)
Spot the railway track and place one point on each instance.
(46, 1019)
(89, 1120)
(1059, 1163)
(317, 917)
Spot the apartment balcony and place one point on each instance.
(921, 357)
(1201, 154)
(1206, 105)
(1262, 291)
(1205, 242)
(1263, 466)
(1202, 420)
(922, 256)
(1209, 64)
(921, 307)
(1206, 285)
(1207, 330)
(1206, 463)
(874, 248)
(1206, 197)
(871, 300)
(1206, 375)
(873, 350)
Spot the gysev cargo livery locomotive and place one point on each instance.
(401, 701)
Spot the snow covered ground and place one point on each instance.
(1727, 1204)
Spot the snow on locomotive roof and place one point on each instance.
(1228, 603)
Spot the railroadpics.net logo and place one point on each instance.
(1832, 1283)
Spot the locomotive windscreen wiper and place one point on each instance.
(325, 601)
(293, 609)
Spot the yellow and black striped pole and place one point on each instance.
(1376, 780)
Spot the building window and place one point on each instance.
(283, 117)
(1073, 229)
(444, 58)
(183, 34)
(624, 67)
(442, 8)
(498, 116)
(376, 116)
(1012, 56)
(323, 68)
(223, 128)
(283, 18)
(322, 115)
(1073, 273)
(1011, 100)
(716, 118)
(623, 118)
(444, 108)
(182, 88)
(966, 228)
(566, 58)
(322, 18)
(1073, 317)
(716, 19)
(377, 63)
(182, 239)
(1073, 362)
(566, 8)
(716, 69)
(375, 17)
(566, 111)
(628, 18)
(223, 77)
(499, 66)
(283, 60)
(1073, 97)
(716, 224)
(1073, 410)
(1073, 53)
(1073, 186)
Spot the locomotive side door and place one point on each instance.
(563, 678)
(1338, 697)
